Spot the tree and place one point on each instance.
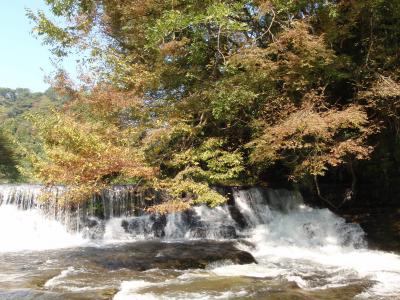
(15, 104)
(8, 165)
(217, 92)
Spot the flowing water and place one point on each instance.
(109, 249)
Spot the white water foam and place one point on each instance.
(31, 230)
(51, 283)
(306, 243)
(312, 247)
(135, 290)
(115, 233)
(129, 290)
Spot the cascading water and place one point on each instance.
(292, 243)
(26, 224)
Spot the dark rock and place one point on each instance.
(92, 222)
(94, 229)
(125, 225)
(146, 225)
(199, 232)
(191, 218)
(228, 232)
(237, 216)
(156, 254)
(160, 221)
(202, 231)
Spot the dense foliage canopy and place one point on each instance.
(185, 95)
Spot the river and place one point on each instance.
(265, 244)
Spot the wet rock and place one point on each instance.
(221, 232)
(156, 254)
(191, 218)
(94, 229)
(199, 232)
(138, 226)
(158, 226)
(145, 225)
(237, 216)
(228, 232)
(92, 222)
(125, 225)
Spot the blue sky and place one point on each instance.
(24, 61)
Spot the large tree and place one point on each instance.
(189, 94)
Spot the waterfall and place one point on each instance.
(312, 247)
(276, 216)
(28, 222)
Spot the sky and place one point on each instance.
(24, 61)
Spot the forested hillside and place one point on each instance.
(17, 140)
(15, 102)
(185, 95)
